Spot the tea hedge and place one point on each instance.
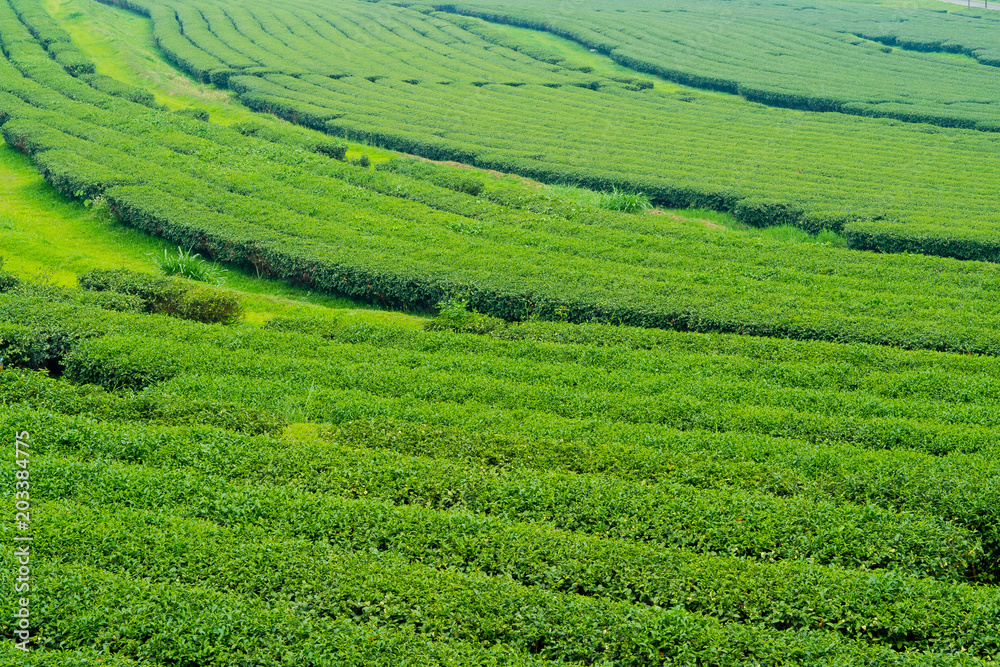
(572, 563)
(501, 509)
(720, 522)
(256, 214)
(815, 56)
(389, 589)
(454, 88)
(442, 378)
(958, 488)
(321, 492)
(91, 610)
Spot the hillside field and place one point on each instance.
(360, 333)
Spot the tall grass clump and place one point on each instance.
(189, 265)
(797, 235)
(831, 237)
(787, 233)
(624, 201)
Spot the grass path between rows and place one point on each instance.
(46, 237)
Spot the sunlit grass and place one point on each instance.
(97, 30)
(726, 220)
(45, 236)
(784, 233)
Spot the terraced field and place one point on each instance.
(595, 438)
(279, 205)
(588, 495)
(450, 87)
(818, 56)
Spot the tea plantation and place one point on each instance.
(450, 87)
(846, 57)
(611, 438)
(542, 492)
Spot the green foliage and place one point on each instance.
(315, 326)
(203, 304)
(624, 201)
(140, 362)
(167, 295)
(830, 237)
(333, 149)
(187, 264)
(443, 176)
(454, 314)
(558, 490)
(114, 87)
(787, 233)
(432, 540)
(538, 493)
(8, 281)
(223, 627)
(398, 241)
(883, 194)
(831, 58)
(292, 136)
(153, 290)
(718, 522)
(197, 114)
(759, 212)
(339, 581)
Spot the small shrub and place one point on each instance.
(155, 291)
(197, 114)
(248, 128)
(761, 212)
(454, 314)
(624, 201)
(27, 347)
(188, 265)
(167, 295)
(469, 186)
(122, 303)
(8, 281)
(363, 161)
(138, 361)
(204, 304)
(333, 149)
